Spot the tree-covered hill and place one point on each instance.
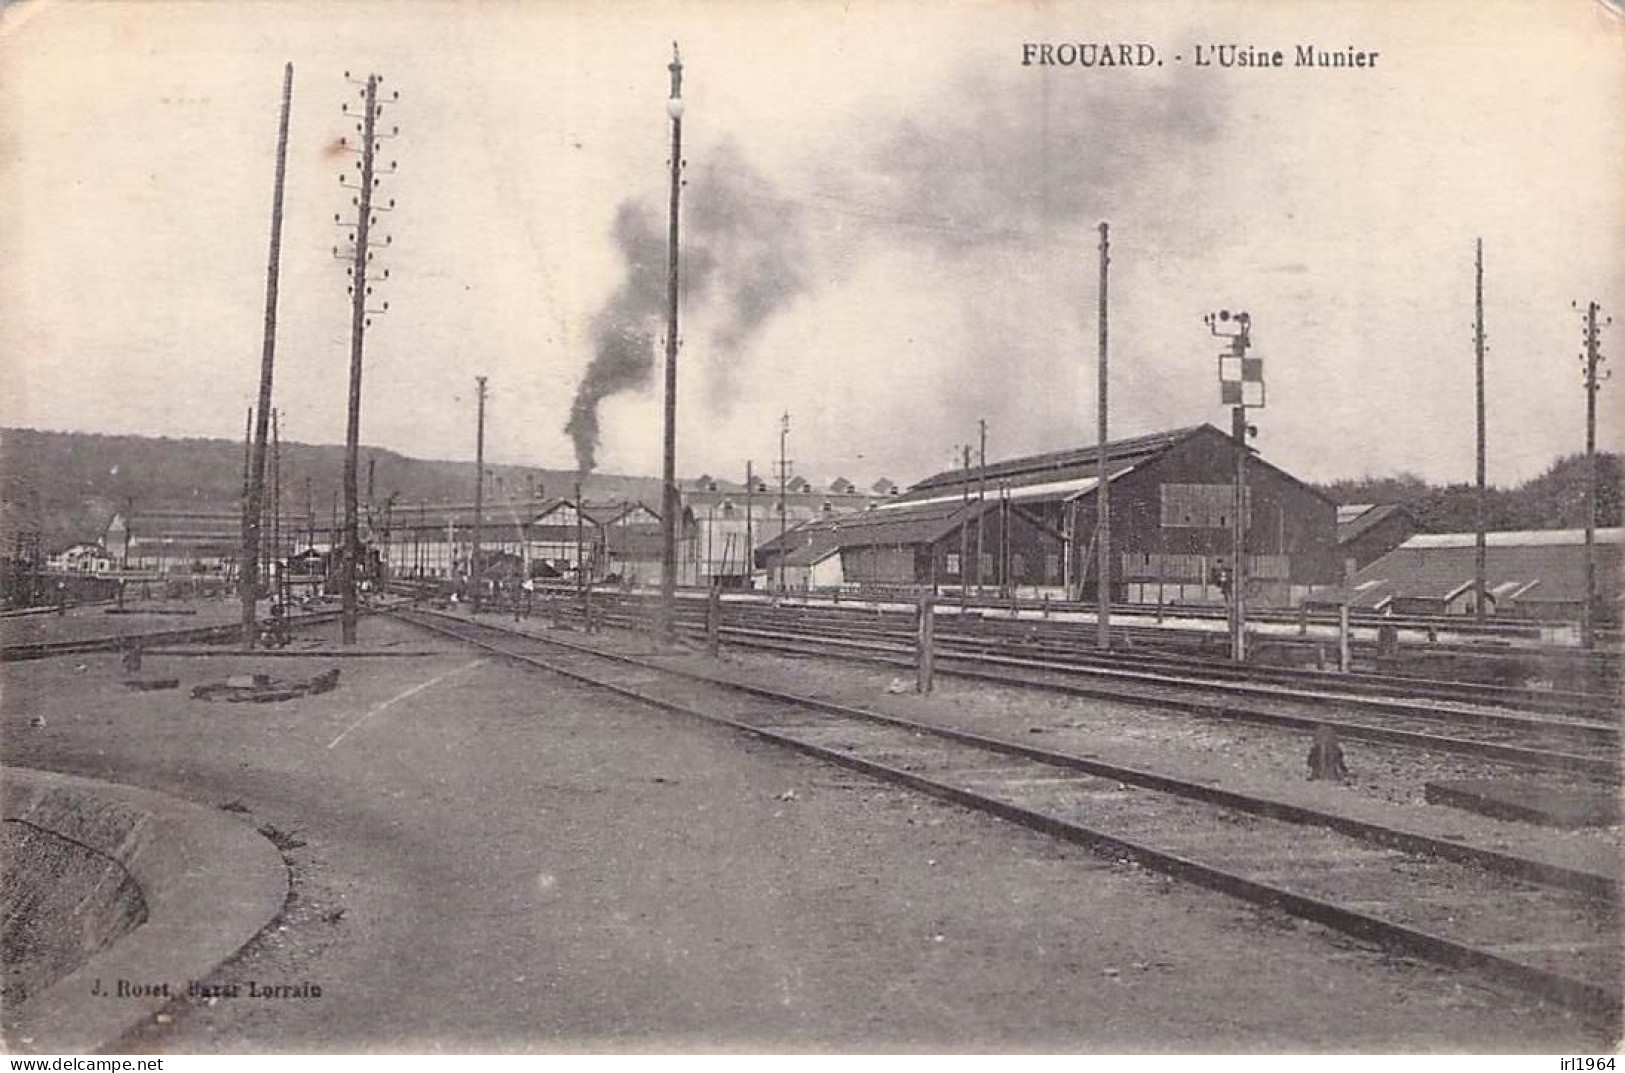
(68, 484)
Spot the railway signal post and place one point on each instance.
(1241, 387)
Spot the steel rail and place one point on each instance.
(897, 654)
(1567, 990)
(1030, 635)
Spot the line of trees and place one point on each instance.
(1553, 500)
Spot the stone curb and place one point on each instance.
(210, 882)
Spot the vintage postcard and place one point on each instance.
(1054, 526)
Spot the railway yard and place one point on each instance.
(547, 827)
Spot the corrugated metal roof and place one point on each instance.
(1025, 493)
(1513, 571)
(1060, 465)
(918, 523)
(1522, 538)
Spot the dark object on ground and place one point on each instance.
(263, 689)
(149, 685)
(282, 840)
(1326, 757)
(1529, 801)
(132, 657)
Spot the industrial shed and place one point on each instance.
(1171, 505)
(930, 544)
(1368, 531)
(806, 557)
(182, 539)
(1536, 574)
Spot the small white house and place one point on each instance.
(92, 559)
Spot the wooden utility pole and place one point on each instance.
(1006, 587)
(248, 575)
(1103, 545)
(964, 532)
(361, 259)
(1479, 610)
(784, 477)
(1592, 358)
(981, 499)
(476, 577)
(583, 588)
(750, 526)
(250, 549)
(358, 328)
(668, 471)
(277, 558)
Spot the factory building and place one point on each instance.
(730, 519)
(1532, 574)
(191, 539)
(1028, 526)
(546, 538)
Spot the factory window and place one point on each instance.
(952, 565)
(1052, 567)
(987, 564)
(1198, 506)
(1018, 565)
(1140, 566)
(1269, 567)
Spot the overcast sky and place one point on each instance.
(891, 224)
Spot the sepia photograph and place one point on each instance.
(694, 527)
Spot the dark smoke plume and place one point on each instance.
(755, 240)
(740, 249)
(622, 333)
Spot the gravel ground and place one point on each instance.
(488, 858)
(1386, 783)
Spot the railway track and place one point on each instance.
(1548, 930)
(1150, 650)
(1585, 749)
(223, 633)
